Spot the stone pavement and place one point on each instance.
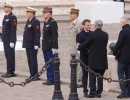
(37, 91)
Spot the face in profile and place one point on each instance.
(121, 23)
(29, 14)
(46, 15)
(73, 16)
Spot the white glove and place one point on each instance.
(78, 52)
(55, 51)
(36, 47)
(11, 45)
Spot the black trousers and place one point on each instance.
(96, 88)
(32, 61)
(84, 59)
(10, 57)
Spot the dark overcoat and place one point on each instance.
(96, 42)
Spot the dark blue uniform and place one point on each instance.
(31, 38)
(9, 36)
(80, 38)
(50, 41)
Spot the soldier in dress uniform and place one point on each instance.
(74, 29)
(31, 40)
(49, 42)
(9, 39)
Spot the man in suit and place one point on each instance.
(122, 54)
(9, 39)
(96, 43)
(49, 42)
(31, 41)
(80, 38)
(74, 29)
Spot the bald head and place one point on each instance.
(124, 21)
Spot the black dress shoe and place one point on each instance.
(122, 96)
(99, 96)
(28, 79)
(36, 79)
(6, 75)
(48, 83)
(91, 96)
(86, 95)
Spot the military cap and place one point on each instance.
(8, 4)
(47, 9)
(30, 9)
(74, 10)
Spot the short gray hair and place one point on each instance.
(124, 20)
(98, 24)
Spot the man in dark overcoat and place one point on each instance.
(122, 53)
(96, 42)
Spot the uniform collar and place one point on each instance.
(75, 21)
(48, 20)
(31, 19)
(8, 13)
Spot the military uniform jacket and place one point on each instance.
(9, 28)
(32, 33)
(50, 35)
(74, 29)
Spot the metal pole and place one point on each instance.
(73, 90)
(57, 88)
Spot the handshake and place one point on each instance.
(77, 45)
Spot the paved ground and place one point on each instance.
(37, 91)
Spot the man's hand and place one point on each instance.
(36, 47)
(11, 45)
(77, 45)
(55, 51)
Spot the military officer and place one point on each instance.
(31, 40)
(9, 39)
(49, 41)
(74, 29)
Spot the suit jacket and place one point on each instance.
(122, 47)
(50, 35)
(96, 42)
(32, 33)
(74, 29)
(80, 38)
(9, 28)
